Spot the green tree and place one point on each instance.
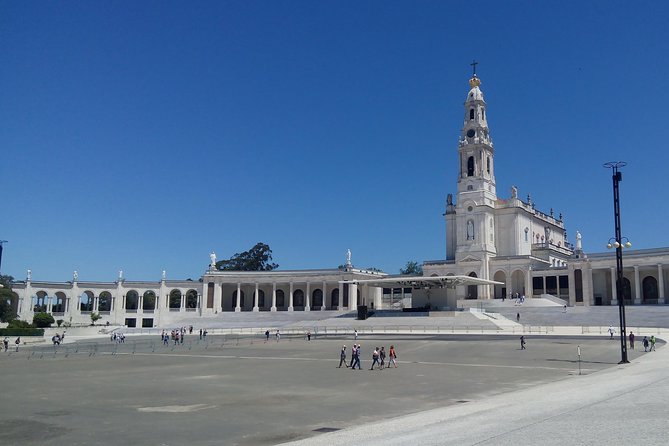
(7, 313)
(6, 281)
(43, 320)
(7, 300)
(412, 268)
(94, 318)
(257, 258)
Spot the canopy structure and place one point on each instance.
(422, 282)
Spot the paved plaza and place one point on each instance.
(232, 390)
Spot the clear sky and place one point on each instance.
(143, 135)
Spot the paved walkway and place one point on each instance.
(625, 404)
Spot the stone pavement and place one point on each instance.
(625, 404)
(238, 391)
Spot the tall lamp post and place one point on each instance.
(618, 243)
(2, 242)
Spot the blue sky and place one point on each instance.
(143, 135)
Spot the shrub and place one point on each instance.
(16, 323)
(43, 320)
(21, 332)
(59, 322)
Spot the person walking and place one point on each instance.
(355, 334)
(611, 331)
(6, 343)
(278, 336)
(355, 357)
(266, 336)
(522, 343)
(375, 357)
(632, 340)
(382, 357)
(652, 343)
(308, 335)
(517, 317)
(392, 356)
(17, 342)
(200, 334)
(645, 344)
(342, 357)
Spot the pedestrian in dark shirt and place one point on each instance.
(342, 357)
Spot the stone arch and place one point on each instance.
(191, 299)
(470, 166)
(298, 298)
(517, 283)
(317, 298)
(58, 305)
(174, 301)
(131, 300)
(280, 299)
(472, 290)
(149, 301)
(40, 302)
(105, 301)
(86, 301)
(334, 298)
(500, 291)
(649, 290)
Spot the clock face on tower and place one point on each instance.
(470, 133)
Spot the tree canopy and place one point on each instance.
(412, 268)
(257, 258)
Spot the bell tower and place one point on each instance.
(473, 215)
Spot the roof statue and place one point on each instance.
(212, 257)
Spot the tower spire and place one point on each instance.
(473, 64)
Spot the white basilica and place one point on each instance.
(495, 247)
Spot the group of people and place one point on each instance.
(378, 357)
(58, 339)
(17, 342)
(119, 338)
(648, 344)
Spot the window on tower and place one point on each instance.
(470, 166)
(488, 164)
(482, 113)
(471, 113)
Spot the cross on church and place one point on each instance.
(473, 64)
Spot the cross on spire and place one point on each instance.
(473, 64)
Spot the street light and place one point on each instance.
(2, 242)
(618, 243)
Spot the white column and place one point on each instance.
(352, 296)
(325, 295)
(290, 298)
(218, 296)
(255, 299)
(660, 284)
(637, 286)
(307, 303)
(588, 289)
(614, 289)
(273, 297)
(238, 298)
(509, 286)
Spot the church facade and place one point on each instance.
(524, 251)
